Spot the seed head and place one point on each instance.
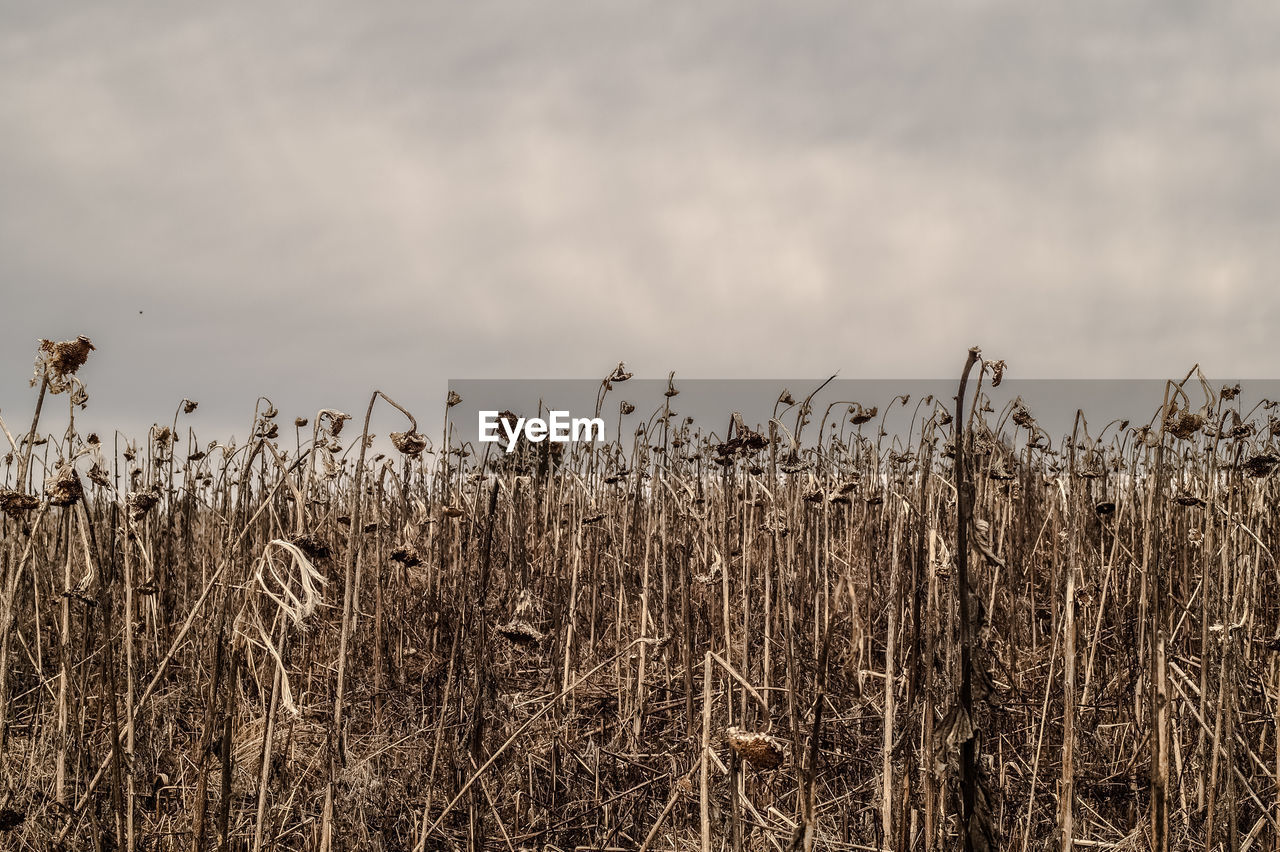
(410, 443)
(64, 488)
(758, 749)
(62, 359)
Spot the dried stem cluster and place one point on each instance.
(976, 636)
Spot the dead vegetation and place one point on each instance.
(752, 640)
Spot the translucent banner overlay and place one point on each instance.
(875, 409)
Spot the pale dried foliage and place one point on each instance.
(750, 640)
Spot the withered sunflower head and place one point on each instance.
(15, 503)
(64, 488)
(407, 555)
(313, 547)
(759, 750)
(336, 421)
(521, 632)
(410, 443)
(63, 358)
(863, 415)
(99, 476)
(1185, 425)
(1261, 465)
(139, 503)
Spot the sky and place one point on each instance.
(311, 201)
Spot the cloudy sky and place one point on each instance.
(315, 200)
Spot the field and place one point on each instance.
(772, 637)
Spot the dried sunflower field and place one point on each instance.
(752, 637)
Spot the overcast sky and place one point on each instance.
(313, 201)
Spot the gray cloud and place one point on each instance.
(312, 202)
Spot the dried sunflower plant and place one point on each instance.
(806, 633)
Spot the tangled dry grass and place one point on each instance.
(988, 637)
